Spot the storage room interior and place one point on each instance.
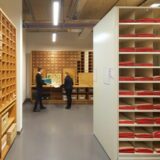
(80, 79)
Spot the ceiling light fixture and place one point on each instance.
(54, 37)
(56, 8)
(154, 5)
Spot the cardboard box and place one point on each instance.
(11, 134)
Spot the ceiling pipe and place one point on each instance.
(47, 30)
(144, 1)
(30, 9)
(61, 25)
(80, 6)
(72, 9)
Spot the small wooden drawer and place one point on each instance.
(91, 97)
(11, 134)
(91, 90)
(74, 97)
(4, 121)
(3, 142)
(81, 90)
(74, 91)
(82, 97)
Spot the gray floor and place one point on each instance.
(57, 134)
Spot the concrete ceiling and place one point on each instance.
(75, 14)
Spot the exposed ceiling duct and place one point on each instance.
(75, 14)
(76, 24)
(72, 9)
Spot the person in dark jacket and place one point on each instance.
(39, 89)
(68, 86)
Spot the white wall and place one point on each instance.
(24, 67)
(106, 89)
(13, 8)
(65, 41)
(28, 84)
(43, 41)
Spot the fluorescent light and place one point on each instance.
(56, 7)
(154, 5)
(54, 37)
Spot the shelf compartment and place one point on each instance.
(11, 120)
(156, 118)
(156, 103)
(156, 147)
(144, 147)
(144, 104)
(126, 31)
(126, 89)
(143, 74)
(156, 132)
(144, 89)
(144, 14)
(144, 60)
(144, 118)
(3, 142)
(81, 96)
(126, 147)
(11, 134)
(126, 118)
(126, 104)
(123, 59)
(144, 133)
(126, 133)
(126, 15)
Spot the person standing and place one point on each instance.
(68, 86)
(39, 90)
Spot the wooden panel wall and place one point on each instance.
(56, 61)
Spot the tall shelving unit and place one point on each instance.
(7, 84)
(127, 57)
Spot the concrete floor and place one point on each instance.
(57, 134)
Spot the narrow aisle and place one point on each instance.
(57, 134)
